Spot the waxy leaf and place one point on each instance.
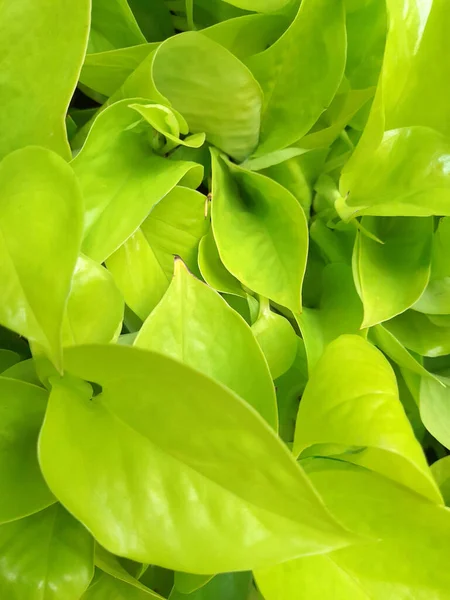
(260, 231)
(435, 409)
(351, 400)
(22, 409)
(276, 338)
(39, 77)
(260, 5)
(48, 555)
(441, 472)
(244, 501)
(121, 178)
(8, 358)
(212, 89)
(223, 348)
(186, 583)
(393, 274)
(300, 73)
(40, 236)
(406, 558)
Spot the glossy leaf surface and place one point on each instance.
(145, 457)
(351, 400)
(224, 348)
(48, 555)
(226, 586)
(261, 232)
(38, 247)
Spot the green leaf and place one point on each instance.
(138, 274)
(223, 348)
(186, 583)
(22, 409)
(392, 275)
(48, 555)
(401, 164)
(39, 75)
(277, 339)
(105, 72)
(247, 35)
(106, 587)
(339, 311)
(260, 5)
(260, 231)
(122, 179)
(427, 335)
(39, 246)
(300, 73)
(351, 400)
(246, 503)
(441, 472)
(436, 297)
(406, 559)
(8, 358)
(226, 586)
(24, 371)
(113, 26)
(213, 270)
(435, 409)
(212, 89)
(92, 287)
(155, 24)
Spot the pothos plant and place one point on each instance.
(225, 299)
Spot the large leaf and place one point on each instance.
(48, 555)
(106, 587)
(186, 454)
(351, 401)
(121, 178)
(300, 73)
(39, 77)
(22, 409)
(212, 89)
(393, 274)
(406, 559)
(40, 235)
(222, 347)
(261, 232)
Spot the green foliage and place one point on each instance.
(225, 313)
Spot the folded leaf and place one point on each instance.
(40, 236)
(213, 270)
(48, 555)
(185, 453)
(223, 348)
(260, 231)
(38, 77)
(351, 401)
(427, 335)
(300, 73)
